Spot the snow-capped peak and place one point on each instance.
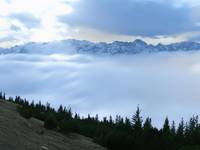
(73, 46)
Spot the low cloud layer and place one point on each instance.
(165, 84)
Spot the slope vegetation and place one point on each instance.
(18, 133)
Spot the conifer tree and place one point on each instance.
(147, 124)
(1, 96)
(166, 126)
(180, 129)
(137, 120)
(173, 128)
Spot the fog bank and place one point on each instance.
(163, 84)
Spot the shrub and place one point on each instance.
(50, 122)
(25, 112)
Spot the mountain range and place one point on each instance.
(72, 46)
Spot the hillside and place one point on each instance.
(17, 133)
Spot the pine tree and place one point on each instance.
(1, 96)
(127, 123)
(147, 124)
(181, 128)
(173, 128)
(137, 120)
(166, 127)
(4, 96)
(97, 118)
(60, 109)
(110, 120)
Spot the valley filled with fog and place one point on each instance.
(162, 84)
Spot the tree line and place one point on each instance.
(116, 133)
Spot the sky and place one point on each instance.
(162, 84)
(154, 21)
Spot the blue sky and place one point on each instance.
(154, 21)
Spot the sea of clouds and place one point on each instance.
(162, 84)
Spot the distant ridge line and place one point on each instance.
(72, 46)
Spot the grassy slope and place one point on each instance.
(17, 133)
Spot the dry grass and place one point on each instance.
(17, 133)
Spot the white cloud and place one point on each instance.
(23, 14)
(163, 84)
(46, 12)
(187, 2)
(35, 7)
